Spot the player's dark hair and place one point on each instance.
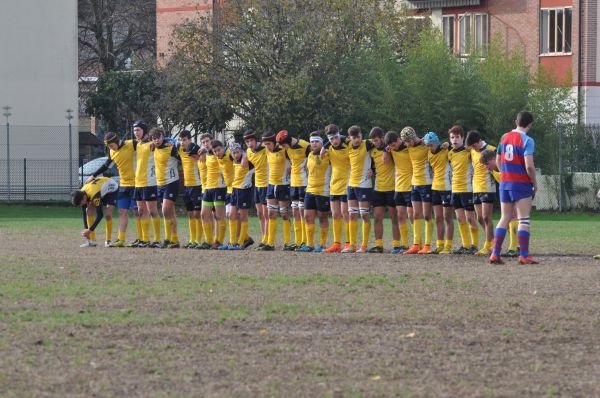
(250, 134)
(486, 156)
(77, 197)
(331, 129)
(456, 130)
(185, 134)
(473, 137)
(269, 136)
(354, 131)
(390, 137)
(216, 144)
(524, 119)
(376, 132)
(206, 135)
(317, 133)
(111, 138)
(156, 133)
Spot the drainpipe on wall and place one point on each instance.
(579, 57)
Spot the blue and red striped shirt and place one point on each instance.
(513, 148)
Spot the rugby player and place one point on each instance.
(316, 200)
(192, 194)
(257, 155)
(97, 192)
(518, 184)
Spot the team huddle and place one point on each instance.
(419, 181)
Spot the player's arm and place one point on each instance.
(101, 169)
(99, 215)
(530, 167)
(324, 150)
(84, 209)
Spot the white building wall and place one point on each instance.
(38, 76)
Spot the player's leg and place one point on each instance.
(417, 206)
(207, 218)
(426, 205)
(323, 214)
(273, 213)
(353, 211)
(295, 204)
(438, 213)
(472, 221)
(337, 217)
(150, 196)
(487, 209)
(523, 208)
(364, 207)
(309, 218)
(506, 209)
(220, 219)
(232, 217)
(379, 214)
(346, 220)
(287, 225)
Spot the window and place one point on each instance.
(448, 30)
(555, 30)
(473, 33)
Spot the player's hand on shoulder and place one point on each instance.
(445, 145)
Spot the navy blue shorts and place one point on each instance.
(241, 198)
(462, 200)
(145, 194)
(126, 198)
(192, 198)
(260, 195)
(338, 198)
(279, 192)
(514, 196)
(402, 199)
(441, 198)
(316, 202)
(169, 191)
(210, 196)
(484, 197)
(297, 193)
(421, 193)
(383, 199)
(110, 199)
(360, 194)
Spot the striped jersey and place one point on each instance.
(513, 148)
(242, 176)
(166, 162)
(319, 175)
(360, 164)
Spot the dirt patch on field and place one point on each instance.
(142, 322)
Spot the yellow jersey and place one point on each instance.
(403, 169)
(166, 162)
(462, 170)
(297, 155)
(189, 165)
(98, 188)
(421, 171)
(202, 171)
(145, 175)
(214, 177)
(360, 165)
(483, 180)
(442, 173)
(242, 176)
(279, 167)
(319, 175)
(124, 159)
(226, 167)
(384, 172)
(340, 168)
(261, 167)
(496, 175)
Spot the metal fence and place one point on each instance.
(42, 163)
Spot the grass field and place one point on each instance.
(150, 322)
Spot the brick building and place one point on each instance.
(562, 35)
(551, 32)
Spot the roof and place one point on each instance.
(87, 138)
(421, 4)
